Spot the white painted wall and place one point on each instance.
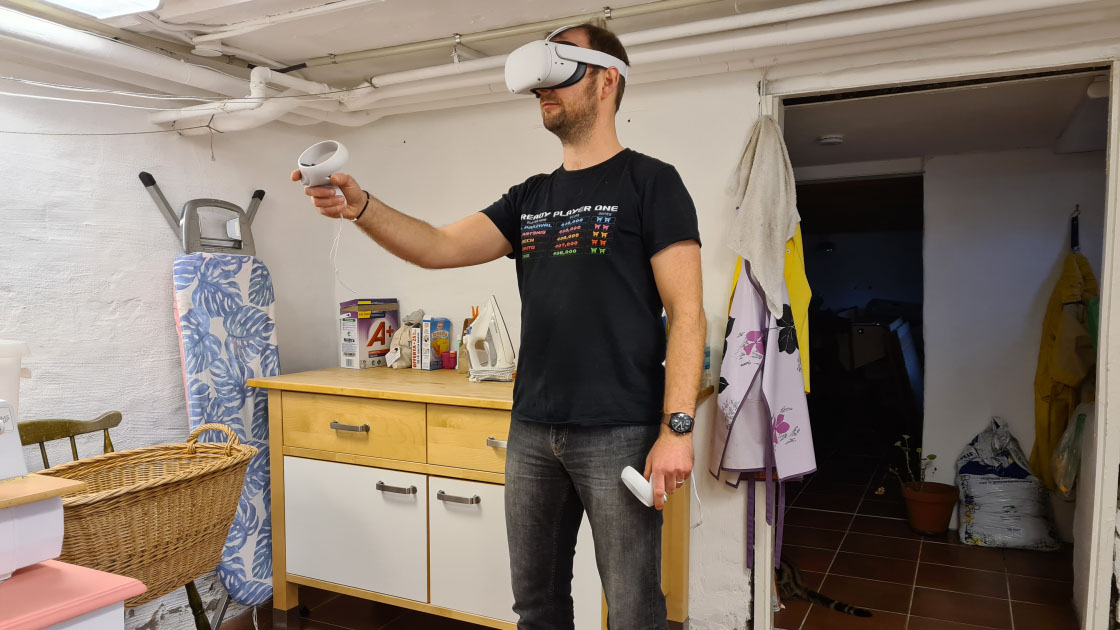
(443, 166)
(87, 267)
(996, 233)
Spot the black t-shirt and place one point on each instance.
(592, 338)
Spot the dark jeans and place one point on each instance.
(553, 474)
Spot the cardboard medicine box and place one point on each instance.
(366, 327)
(435, 341)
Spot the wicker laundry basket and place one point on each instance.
(159, 514)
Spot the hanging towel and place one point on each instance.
(223, 309)
(797, 284)
(764, 419)
(1065, 359)
(766, 216)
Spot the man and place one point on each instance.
(601, 245)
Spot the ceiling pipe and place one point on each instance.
(83, 45)
(700, 49)
(258, 89)
(537, 28)
(871, 21)
(488, 87)
(90, 24)
(250, 119)
(248, 26)
(23, 27)
(758, 30)
(688, 29)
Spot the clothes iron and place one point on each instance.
(489, 345)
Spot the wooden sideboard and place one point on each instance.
(388, 485)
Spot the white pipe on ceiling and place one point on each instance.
(249, 119)
(355, 105)
(871, 21)
(258, 89)
(23, 27)
(80, 44)
(688, 29)
(212, 32)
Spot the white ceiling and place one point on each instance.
(393, 22)
(995, 117)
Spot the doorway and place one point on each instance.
(935, 220)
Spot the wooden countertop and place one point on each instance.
(21, 490)
(445, 387)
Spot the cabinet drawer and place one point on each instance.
(468, 437)
(391, 429)
(357, 526)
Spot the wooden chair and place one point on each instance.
(42, 431)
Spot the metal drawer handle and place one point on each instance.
(443, 496)
(357, 428)
(490, 441)
(395, 489)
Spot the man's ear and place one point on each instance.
(610, 83)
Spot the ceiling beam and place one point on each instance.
(186, 10)
(232, 65)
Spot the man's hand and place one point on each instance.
(669, 461)
(345, 206)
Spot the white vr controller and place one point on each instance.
(320, 161)
(640, 486)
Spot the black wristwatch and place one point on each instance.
(681, 423)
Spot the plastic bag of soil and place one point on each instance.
(1002, 503)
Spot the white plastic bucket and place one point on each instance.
(11, 355)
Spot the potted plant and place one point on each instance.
(929, 504)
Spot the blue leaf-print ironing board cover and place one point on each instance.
(223, 309)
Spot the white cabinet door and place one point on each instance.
(357, 526)
(470, 556)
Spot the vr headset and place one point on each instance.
(546, 64)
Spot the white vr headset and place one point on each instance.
(545, 64)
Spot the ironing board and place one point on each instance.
(224, 315)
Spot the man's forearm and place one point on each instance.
(405, 237)
(684, 361)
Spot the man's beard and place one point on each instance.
(573, 122)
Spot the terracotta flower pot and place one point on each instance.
(930, 506)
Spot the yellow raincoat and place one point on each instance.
(797, 285)
(1065, 359)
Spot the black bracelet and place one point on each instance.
(355, 219)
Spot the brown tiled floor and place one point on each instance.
(329, 611)
(854, 545)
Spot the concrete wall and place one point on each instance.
(87, 267)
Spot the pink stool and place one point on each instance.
(56, 594)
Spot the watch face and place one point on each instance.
(680, 422)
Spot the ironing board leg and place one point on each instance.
(217, 623)
(200, 621)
